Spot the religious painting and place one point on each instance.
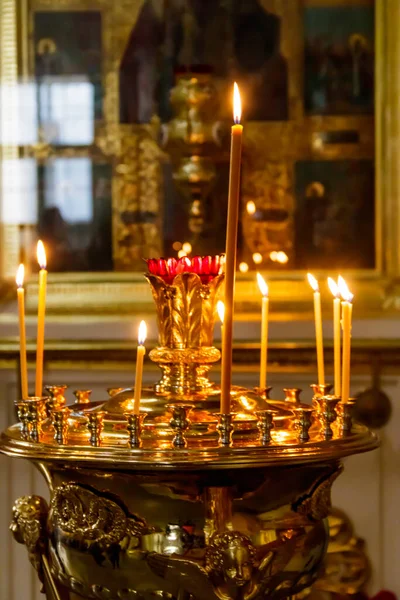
(238, 40)
(339, 58)
(68, 72)
(74, 196)
(335, 214)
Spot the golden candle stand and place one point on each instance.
(181, 502)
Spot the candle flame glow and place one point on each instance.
(262, 284)
(142, 333)
(251, 207)
(41, 255)
(313, 282)
(347, 296)
(221, 311)
(20, 276)
(333, 286)
(237, 104)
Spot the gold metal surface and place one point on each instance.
(181, 500)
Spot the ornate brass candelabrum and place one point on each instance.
(181, 502)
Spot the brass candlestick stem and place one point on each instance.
(135, 427)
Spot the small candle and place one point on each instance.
(264, 330)
(41, 256)
(22, 334)
(318, 329)
(347, 309)
(230, 254)
(336, 334)
(141, 351)
(221, 314)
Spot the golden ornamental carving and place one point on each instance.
(185, 309)
(28, 526)
(316, 503)
(91, 520)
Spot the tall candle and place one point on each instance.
(347, 309)
(41, 256)
(22, 333)
(141, 351)
(264, 330)
(230, 255)
(336, 334)
(318, 329)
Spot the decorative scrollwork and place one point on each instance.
(316, 503)
(92, 521)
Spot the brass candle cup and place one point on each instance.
(59, 418)
(265, 422)
(135, 427)
(225, 428)
(95, 425)
(180, 423)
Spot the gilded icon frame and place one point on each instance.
(120, 293)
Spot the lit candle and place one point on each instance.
(141, 351)
(41, 256)
(22, 334)
(347, 309)
(230, 254)
(318, 328)
(264, 330)
(221, 314)
(336, 334)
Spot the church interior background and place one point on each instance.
(115, 120)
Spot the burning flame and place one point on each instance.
(221, 311)
(313, 282)
(237, 104)
(262, 284)
(41, 255)
(20, 276)
(347, 296)
(251, 207)
(282, 257)
(333, 287)
(142, 333)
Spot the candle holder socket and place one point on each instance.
(180, 422)
(263, 392)
(95, 425)
(82, 396)
(303, 422)
(225, 428)
(321, 389)
(326, 413)
(36, 407)
(135, 427)
(57, 399)
(292, 395)
(22, 412)
(59, 418)
(265, 423)
(345, 412)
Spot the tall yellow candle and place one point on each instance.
(141, 351)
(22, 333)
(336, 334)
(264, 330)
(41, 256)
(318, 329)
(347, 309)
(230, 255)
